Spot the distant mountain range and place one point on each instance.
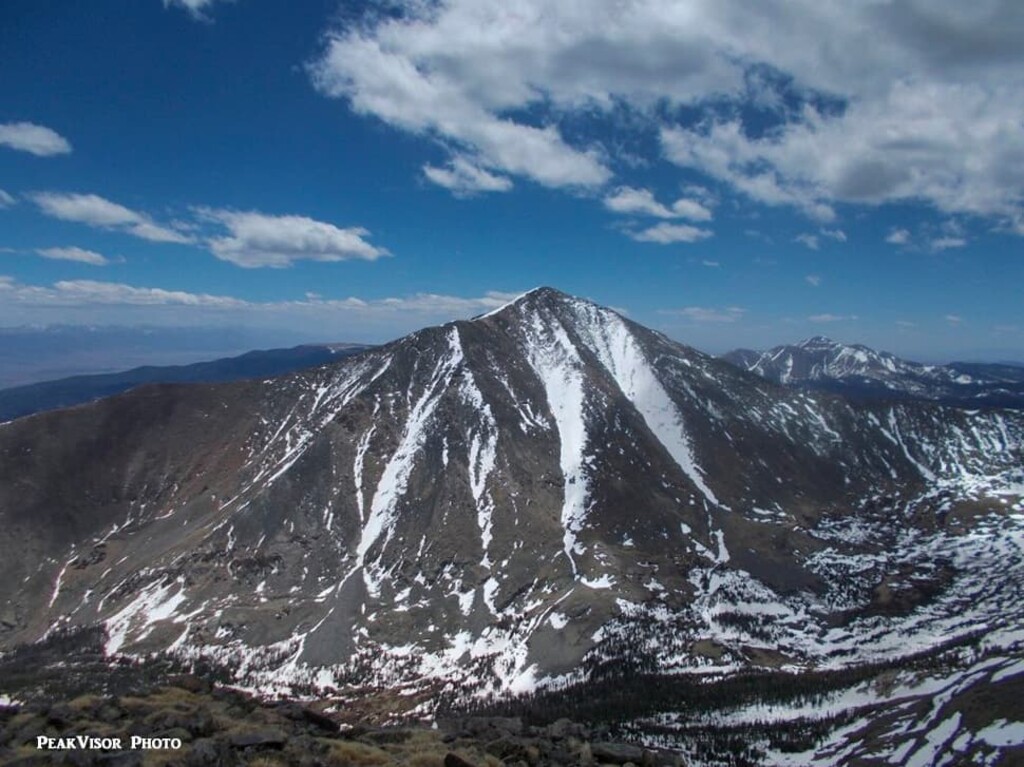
(31, 354)
(860, 373)
(20, 401)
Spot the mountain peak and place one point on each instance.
(542, 296)
(817, 341)
(546, 291)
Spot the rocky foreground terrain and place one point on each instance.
(207, 725)
(223, 728)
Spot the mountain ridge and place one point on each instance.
(506, 503)
(19, 401)
(864, 374)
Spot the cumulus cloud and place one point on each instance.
(813, 279)
(705, 314)
(74, 254)
(93, 210)
(6, 200)
(383, 78)
(256, 239)
(666, 233)
(464, 178)
(906, 125)
(641, 202)
(932, 115)
(34, 139)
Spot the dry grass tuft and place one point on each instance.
(346, 753)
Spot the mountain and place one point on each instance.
(861, 373)
(31, 354)
(20, 401)
(545, 496)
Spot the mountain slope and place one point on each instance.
(24, 400)
(493, 505)
(857, 372)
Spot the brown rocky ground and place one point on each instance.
(219, 726)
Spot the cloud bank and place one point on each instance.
(806, 104)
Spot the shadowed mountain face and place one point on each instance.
(863, 374)
(495, 504)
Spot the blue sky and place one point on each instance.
(733, 175)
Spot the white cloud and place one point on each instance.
(259, 239)
(195, 8)
(832, 317)
(666, 233)
(813, 279)
(954, 319)
(34, 139)
(809, 240)
(723, 152)
(6, 200)
(705, 314)
(813, 241)
(96, 211)
(80, 292)
(381, 80)
(932, 115)
(70, 293)
(353, 318)
(910, 128)
(464, 178)
(947, 243)
(628, 200)
(74, 254)
(898, 237)
(641, 202)
(711, 264)
(691, 209)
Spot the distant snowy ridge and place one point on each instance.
(864, 373)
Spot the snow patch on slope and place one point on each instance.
(395, 477)
(609, 338)
(483, 450)
(557, 364)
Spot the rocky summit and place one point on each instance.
(535, 499)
